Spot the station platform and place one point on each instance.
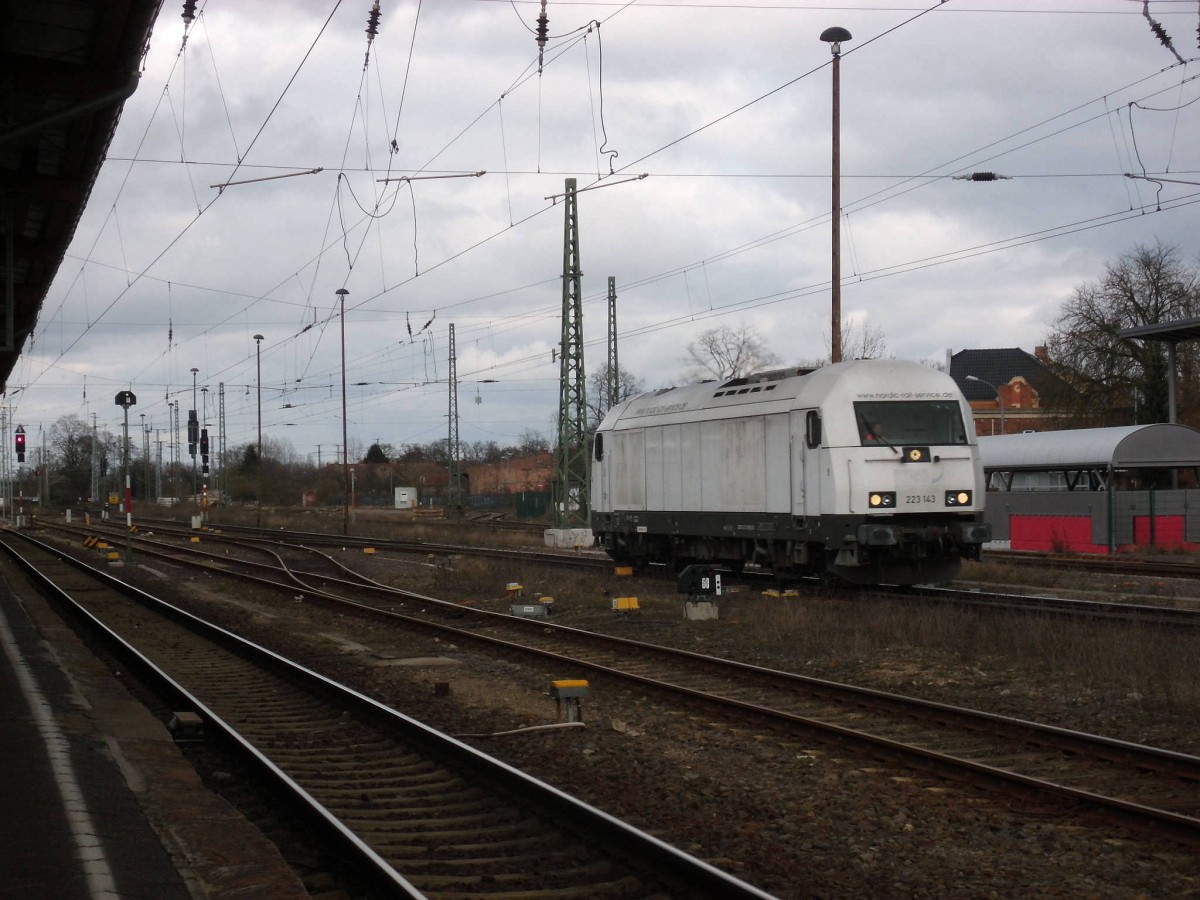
(98, 800)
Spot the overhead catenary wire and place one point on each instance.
(703, 260)
(174, 240)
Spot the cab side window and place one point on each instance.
(812, 429)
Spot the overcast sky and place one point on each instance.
(724, 106)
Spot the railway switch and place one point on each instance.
(568, 694)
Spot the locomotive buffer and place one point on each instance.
(702, 584)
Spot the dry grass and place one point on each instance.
(1139, 664)
(1151, 665)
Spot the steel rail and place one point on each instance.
(696, 877)
(1184, 826)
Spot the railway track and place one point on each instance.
(1111, 565)
(1155, 788)
(583, 559)
(1098, 610)
(422, 814)
(1117, 612)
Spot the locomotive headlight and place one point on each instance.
(958, 498)
(882, 500)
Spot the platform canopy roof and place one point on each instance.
(67, 68)
(1122, 447)
(1172, 332)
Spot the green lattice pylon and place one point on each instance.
(614, 368)
(571, 455)
(454, 491)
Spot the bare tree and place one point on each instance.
(864, 341)
(71, 449)
(628, 385)
(532, 441)
(725, 352)
(1117, 380)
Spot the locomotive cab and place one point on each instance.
(909, 480)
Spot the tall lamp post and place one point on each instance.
(999, 399)
(342, 294)
(258, 339)
(834, 37)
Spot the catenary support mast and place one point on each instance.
(571, 459)
(614, 379)
(454, 493)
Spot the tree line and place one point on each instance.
(77, 458)
(1099, 378)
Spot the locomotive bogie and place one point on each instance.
(867, 471)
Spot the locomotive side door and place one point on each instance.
(808, 435)
(600, 466)
(806, 471)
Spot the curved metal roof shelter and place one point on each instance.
(1172, 334)
(1123, 447)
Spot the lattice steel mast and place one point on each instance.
(614, 380)
(454, 497)
(571, 456)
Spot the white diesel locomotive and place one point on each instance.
(866, 471)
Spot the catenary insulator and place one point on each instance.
(543, 23)
(189, 12)
(373, 20)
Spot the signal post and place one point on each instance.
(126, 399)
(20, 447)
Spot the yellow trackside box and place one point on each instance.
(625, 604)
(569, 687)
(368, 550)
(623, 570)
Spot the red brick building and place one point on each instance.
(1010, 390)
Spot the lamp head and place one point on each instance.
(834, 37)
(258, 337)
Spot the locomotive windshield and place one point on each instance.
(925, 422)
